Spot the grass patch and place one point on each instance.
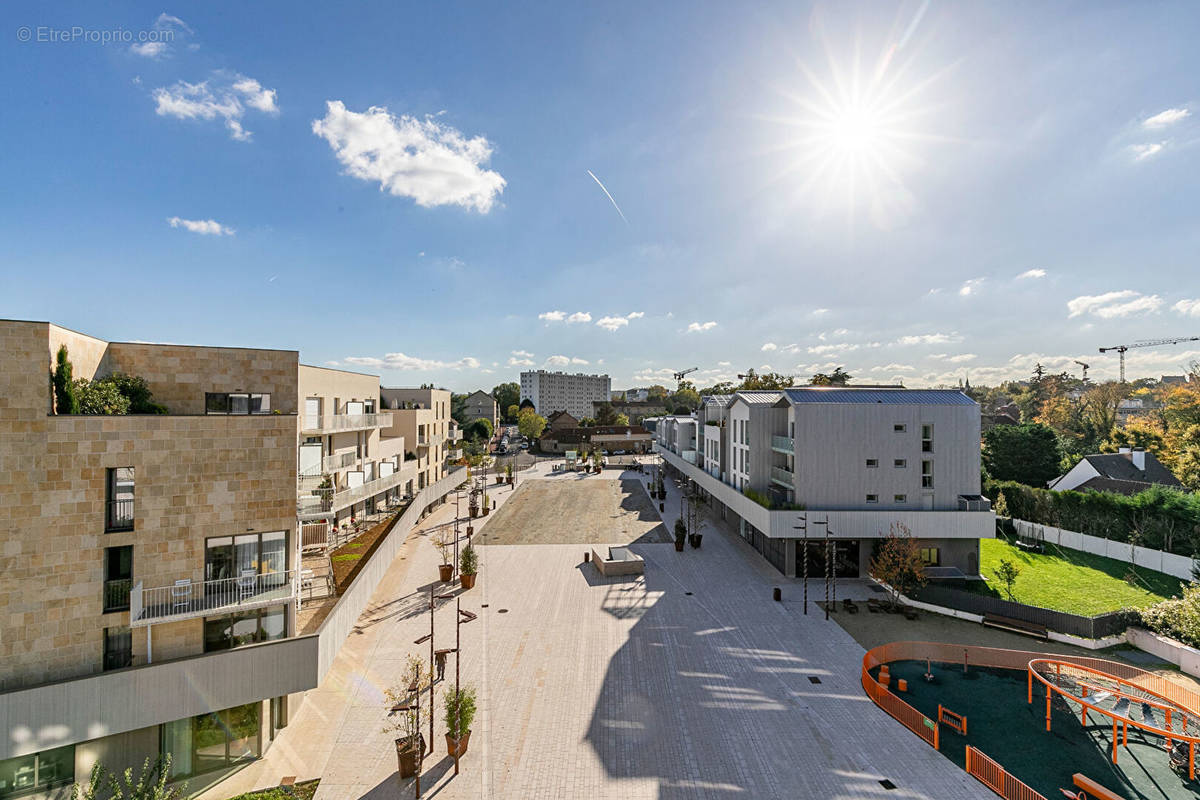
(301, 791)
(1071, 580)
(342, 558)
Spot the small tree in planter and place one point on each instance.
(405, 718)
(898, 563)
(680, 535)
(473, 504)
(508, 473)
(487, 504)
(468, 566)
(460, 713)
(443, 540)
(150, 785)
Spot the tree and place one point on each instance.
(506, 395)
(839, 377)
(526, 403)
(605, 415)
(657, 394)
(458, 409)
(897, 562)
(587, 422)
(531, 424)
(1026, 453)
(134, 388)
(100, 397)
(65, 399)
(479, 430)
(511, 413)
(622, 420)
(150, 785)
(684, 400)
(1007, 573)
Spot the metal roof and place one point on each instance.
(717, 399)
(764, 396)
(895, 397)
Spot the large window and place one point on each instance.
(227, 557)
(926, 474)
(118, 577)
(118, 514)
(246, 627)
(926, 438)
(931, 556)
(237, 403)
(37, 772)
(212, 741)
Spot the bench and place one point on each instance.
(1015, 625)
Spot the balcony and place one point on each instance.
(341, 423)
(974, 502)
(430, 439)
(783, 476)
(191, 599)
(689, 456)
(323, 502)
(116, 595)
(782, 444)
(329, 464)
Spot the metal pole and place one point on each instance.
(828, 569)
(431, 703)
(803, 526)
(457, 657)
(418, 743)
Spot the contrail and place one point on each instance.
(610, 197)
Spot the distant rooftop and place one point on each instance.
(895, 397)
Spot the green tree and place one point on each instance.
(622, 420)
(656, 394)
(1007, 573)
(506, 395)
(511, 413)
(897, 562)
(151, 784)
(65, 399)
(100, 397)
(605, 415)
(839, 377)
(1026, 453)
(479, 430)
(134, 388)
(685, 400)
(458, 409)
(531, 424)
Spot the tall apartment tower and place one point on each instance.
(561, 391)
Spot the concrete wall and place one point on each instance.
(1188, 658)
(57, 714)
(1157, 560)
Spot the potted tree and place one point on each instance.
(443, 540)
(695, 538)
(508, 473)
(487, 504)
(680, 535)
(473, 506)
(468, 566)
(406, 716)
(460, 713)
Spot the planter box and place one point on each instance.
(1187, 658)
(620, 561)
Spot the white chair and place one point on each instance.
(306, 581)
(181, 594)
(246, 582)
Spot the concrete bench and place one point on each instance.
(620, 561)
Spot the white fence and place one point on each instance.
(1157, 560)
(1187, 658)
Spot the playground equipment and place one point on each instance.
(1166, 710)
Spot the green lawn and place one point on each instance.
(1071, 580)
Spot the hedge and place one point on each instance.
(1159, 518)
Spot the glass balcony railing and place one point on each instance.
(782, 475)
(338, 423)
(782, 444)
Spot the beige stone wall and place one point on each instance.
(195, 477)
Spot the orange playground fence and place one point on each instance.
(955, 721)
(997, 778)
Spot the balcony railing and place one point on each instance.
(116, 594)
(189, 599)
(429, 439)
(338, 423)
(318, 502)
(119, 515)
(782, 444)
(974, 502)
(689, 456)
(782, 475)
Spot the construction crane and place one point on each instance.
(679, 375)
(1121, 348)
(1085, 369)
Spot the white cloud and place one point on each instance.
(1111, 305)
(893, 368)
(216, 98)
(148, 49)
(522, 353)
(1164, 118)
(1189, 308)
(167, 30)
(407, 363)
(612, 323)
(969, 287)
(830, 349)
(553, 316)
(820, 312)
(557, 361)
(1143, 151)
(1032, 273)
(724, 364)
(769, 346)
(635, 315)
(426, 160)
(697, 327)
(962, 358)
(929, 338)
(331, 363)
(580, 316)
(208, 227)
(520, 362)
(578, 360)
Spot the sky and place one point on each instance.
(450, 193)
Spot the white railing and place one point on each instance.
(689, 456)
(326, 501)
(332, 463)
(782, 475)
(783, 444)
(187, 599)
(345, 422)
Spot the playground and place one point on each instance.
(1044, 743)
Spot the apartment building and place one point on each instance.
(560, 391)
(149, 580)
(789, 464)
(481, 405)
(422, 418)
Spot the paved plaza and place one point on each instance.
(687, 682)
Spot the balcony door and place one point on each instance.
(228, 557)
(310, 460)
(312, 413)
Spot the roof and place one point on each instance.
(716, 399)
(482, 392)
(894, 397)
(765, 397)
(1119, 467)
(1113, 485)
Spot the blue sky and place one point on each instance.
(909, 190)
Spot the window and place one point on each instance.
(872, 463)
(872, 498)
(245, 627)
(119, 500)
(899, 498)
(212, 741)
(931, 556)
(899, 427)
(926, 438)
(118, 647)
(118, 577)
(237, 403)
(230, 557)
(926, 474)
(900, 463)
(36, 772)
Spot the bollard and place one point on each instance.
(587, 556)
(778, 594)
